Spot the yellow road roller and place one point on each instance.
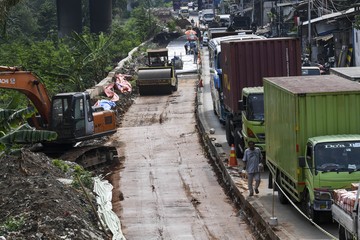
(159, 76)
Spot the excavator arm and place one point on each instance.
(27, 83)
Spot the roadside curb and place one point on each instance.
(249, 207)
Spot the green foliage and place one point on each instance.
(77, 62)
(12, 224)
(21, 22)
(143, 23)
(357, 22)
(94, 56)
(171, 25)
(46, 18)
(78, 173)
(61, 165)
(15, 132)
(82, 175)
(5, 7)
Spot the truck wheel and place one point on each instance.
(308, 209)
(343, 234)
(229, 137)
(238, 144)
(214, 109)
(281, 196)
(270, 181)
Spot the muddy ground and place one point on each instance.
(36, 203)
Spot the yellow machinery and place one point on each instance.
(159, 75)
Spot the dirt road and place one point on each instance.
(168, 187)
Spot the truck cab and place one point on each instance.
(331, 162)
(253, 122)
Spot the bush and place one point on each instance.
(12, 224)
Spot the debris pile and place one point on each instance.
(36, 202)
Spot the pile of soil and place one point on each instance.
(36, 202)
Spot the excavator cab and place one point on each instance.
(74, 120)
(71, 115)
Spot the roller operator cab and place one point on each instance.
(74, 119)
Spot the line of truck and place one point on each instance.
(312, 132)
(236, 82)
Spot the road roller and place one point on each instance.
(159, 76)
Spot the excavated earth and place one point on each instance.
(37, 203)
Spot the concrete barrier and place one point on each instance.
(98, 89)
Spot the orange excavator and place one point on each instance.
(70, 115)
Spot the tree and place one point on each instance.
(357, 22)
(143, 22)
(47, 20)
(5, 7)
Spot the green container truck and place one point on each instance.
(312, 138)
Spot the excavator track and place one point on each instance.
(88, 156)
(91, 156)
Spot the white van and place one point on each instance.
(184, 12)
(207, 16)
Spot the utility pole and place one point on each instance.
(309, 27)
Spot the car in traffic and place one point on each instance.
(184, 12)
(310, 70)
(207, 16)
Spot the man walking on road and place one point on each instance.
(196, 52)
(253, 165)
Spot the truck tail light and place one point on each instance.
(250, 133)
